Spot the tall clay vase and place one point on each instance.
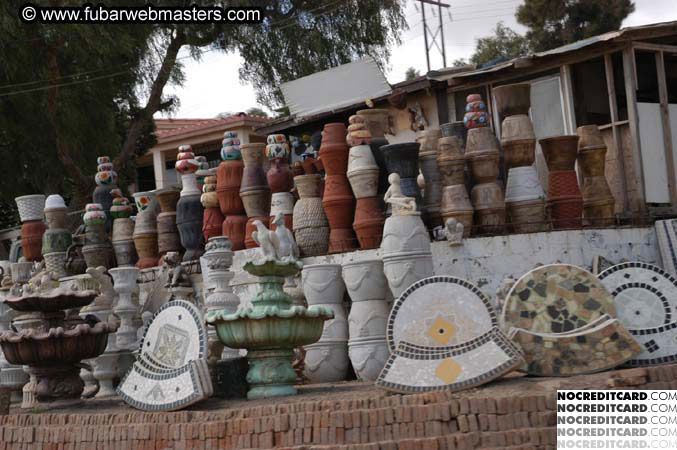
(565, 203)
(228, 179)
(455, 129)
(168, 233)
(376, 121)
(518, 141)
(311, 228)
(403, 160)
(369, 220)
(31, 239)
(363, 172)
(189, 215)
(253, 175)
(145, 230)
(512, 99)
(279, 176)
(598, 201)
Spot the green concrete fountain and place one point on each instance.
(272, 327)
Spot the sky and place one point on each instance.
(212, 84)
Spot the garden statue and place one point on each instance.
(454, 231)
(287, 248)
(176, 273)
(395, 197)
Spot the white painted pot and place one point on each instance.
(404, 270)
(281, 202)
(31, 207)
(368, 319)
(364, 182)
(326, 362)
(368, 357)
(404, 234)
(365, 280)
(360, 157)
(322, 284)
(523, 184)
(336, 328)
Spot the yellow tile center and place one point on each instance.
(441, 331)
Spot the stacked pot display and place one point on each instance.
(57, 238)
(123, 231)
(280, 180)
(168, 239)
(456, 129)
(145, 230)
(189, 210)
(338, 200)
(455, 201)
(254, 189)
(31, 212)
(311, 227)
(565, 203)
(363, 174)
(327, 360)
(403, 160)
(212, 221)
(367, 287)
(598, 201)
(228, 180)
(432, 193)
(98, 250)
(106, 180)
(524, 196)
(376, 122)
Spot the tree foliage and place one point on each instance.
(256, 111)
(504, 44)
(553, 23)
(411, 74)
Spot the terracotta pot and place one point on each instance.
(449, 147)
(147, 249)
(599, 213)
(342, 240)
(369, 220)
(376, 121)
(591, 161)
(452, 171)
(487, 196)
(480, 140)
(189, 213)
(256, 202)
(512, 99)
(455, 129)
(228, 180)
(250, 228)
(428, 141)
(212, 221)
(490, 220)
(168, 233)
(527, 216)
(167, 199)
(560, 152)
(309, 166)
(234, 227)
(288, 222)
(297, 169)
(519, 153)
(456, 204)
(565, 212)
(563, 183)
(56, 218)
(523, 185)
(253, 175)
(333, 133)
(589, 137)
(279, 176)
(339, 211)
(596, 189)
(334, 158)
(31, 239)
(484, 166)
(402, 159)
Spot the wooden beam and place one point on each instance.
(667, 132)
(633, 119)
(654, 47)
(616, 133)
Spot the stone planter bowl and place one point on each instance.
(322, 284)
(365, 280)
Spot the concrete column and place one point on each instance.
(159, 169)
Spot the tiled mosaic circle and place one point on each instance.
(440, 311)
(645, 295)
(556, 298)
(176, 335)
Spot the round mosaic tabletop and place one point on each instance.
(645, 295)
(557, 298)
(176, 335)
(440, 311)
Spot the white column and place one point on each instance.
(159, 168)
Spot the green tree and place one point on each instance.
(459, 62)
(411, 74)
(256, 111)
(553, 23)
(504, 44)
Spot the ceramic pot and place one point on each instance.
(234, 226)
(212, 221)
(281, 202)
(489, 204)
(168, 233)
(428, 141)
(189, 214)
(432, 194)
(311, 228)
(565, 212)
(518, 142)
(376, 144)
(476, 119)
(368, 357)
(560, 152)
(123, 229)
(368, 319)
(279, 176)
(56, 240)
(523, 185)
(322, 284)
(256, 202)
(484, 166)
(512, 99)
(404, 270)
(326, 361)
(253, 175)
(147, 249)
(101, 254)
(31, 239)
(167, 199)
(449, 147)
(309, 165)
(365, 281)
(31, 207)
(228, 180)
(402, 159)
(56, 263)
(563, 183)
(250, 228)
(125, 253)
(363, 172)
(56, 218)
(403, 235)
(338, 201)
(452, 171)
(342, 240)
(480, 140)
(456, 129)
(369, 220)
(376, 121)
(590, 137)
(21, 271)
(596, 189)
(146, 202)
(591, 161)
(456, 204)
(334, 158)
(527, 216)
(333, 133)
(600, 213)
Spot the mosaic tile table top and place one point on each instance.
(414, 368)
(440, 311)
(556, 298)
(144, 362)
(659, 345)
(606, 346)
(666, 234)
(645, 295)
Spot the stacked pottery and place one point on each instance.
(376, 121)
(432, 193)
(228, 180)
(280, 179)
(402, 159)
(598, 201)
(106, 180)
(254, 189)
(98, 250)
(565, 203)
(525, 200)
(57, 238)
(145, 230)
(326, 360)
(168, 239)
(338, 200)
(189, 210)
(456, 129)
(483, 156)
(31, 212)
(476, 115)
(212, 221)
(311, 228)
(123, 231)
(455, 201)
(363, 174)
(202, 172)
(367, 287)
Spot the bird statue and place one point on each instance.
(267, 240)
(454, 231)
(288, 250)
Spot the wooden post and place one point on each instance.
(613, 107)
(667, 132)
(633, 121)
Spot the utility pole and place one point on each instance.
(439, 32)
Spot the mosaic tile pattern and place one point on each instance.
(440, 311)
(604, 347)
(414, 368)
(557, 298)
(666, 234)
(203, 371)
(645, 295)
(659, 345)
